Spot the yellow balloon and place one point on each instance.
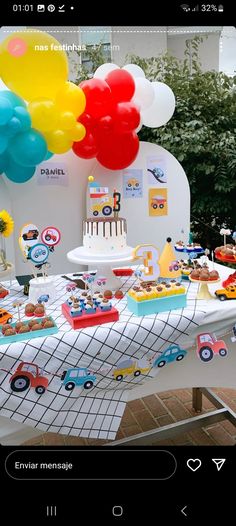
(78, 132)
(33, 65)
(58, 141)
(71, 98)
(44, 115)
(66, 120)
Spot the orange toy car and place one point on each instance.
(5, 317)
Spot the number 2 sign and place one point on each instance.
(150, 256)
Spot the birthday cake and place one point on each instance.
(105, 235)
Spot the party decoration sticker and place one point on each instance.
(52, 173)
(39, 253)
(132, 183)
(28, 375)
(51, 236)
(174, 353)
(208, 346)
(29, 236)
(156, 169)
(157, 203)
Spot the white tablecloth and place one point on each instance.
(97, 413)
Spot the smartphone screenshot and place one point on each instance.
(117, 262)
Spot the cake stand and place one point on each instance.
(225, 259)
(104, 263)
(203, 292)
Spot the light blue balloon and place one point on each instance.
(4, 161)
(18, 174)
(12, 98)
(13, 127)
(24, 117)
(6, 111)
(28, 148)
(48, 156)
(3, 143)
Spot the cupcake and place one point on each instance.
(39, 311)
(140, 295)
(18, 325)
(75, 311)
(48, 324)
(10, 332)
(105, 305)
(195, 274)
(99, 300)
(90, 308)
(29, 309)
(23, 329)
(204, 275)
(214, 275)
(119, 294)
(5, 327)
(37, 327)
(108, 294)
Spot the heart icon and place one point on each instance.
(194, 463)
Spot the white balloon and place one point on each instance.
(139, 126)
(134, 70)
(144, 94)
(103, 70)
(162, 108)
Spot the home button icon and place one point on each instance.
(117, 511)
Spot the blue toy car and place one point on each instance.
(79, 377)
(39, 252)
(172, 354)
(44, 298)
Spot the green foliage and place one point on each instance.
(201, 135)
(94, 54)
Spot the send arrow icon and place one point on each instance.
(219, 462)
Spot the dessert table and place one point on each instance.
(97, 412)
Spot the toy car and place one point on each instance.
(71, 287)
(208, 345)
(229, 293)
(174, 266)
(105, 206)
(44, 298)
(3, 292)
(31, 234)
(28, 375)
(172, 354)
(49, 236)
(5, 317)
(79, 377)
(40, 252)
(133, 182)
(135, 367)
(158, 202)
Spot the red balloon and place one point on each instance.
(98, 97)
(126, 117)
(116, 150)
(105, 124)
(87, 121)
(122, 85)
(87, 148)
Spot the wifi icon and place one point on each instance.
(185, 7)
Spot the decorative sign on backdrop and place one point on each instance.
(157, 202)
(132, 183)
(51, 173)
(156, 169)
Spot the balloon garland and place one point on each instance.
(99, 119)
